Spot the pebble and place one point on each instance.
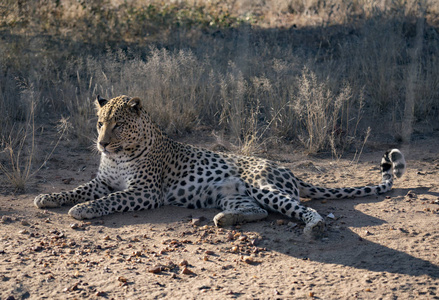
(248, 260)
(183, 263)
(292, 224)
(196, 222)
(186, 271)
(331, 216)
(156, 270)
(74, 225)
(281, 222)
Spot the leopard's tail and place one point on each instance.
(392, 164)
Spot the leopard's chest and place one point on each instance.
(118, 176)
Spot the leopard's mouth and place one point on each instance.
(109, 151)
(105, 152)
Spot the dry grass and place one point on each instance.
(313, 72)
(19, 160)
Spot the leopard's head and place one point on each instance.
(120, 125)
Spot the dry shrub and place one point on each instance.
(235, 66)
(167, 82)
(19, 156)
(321, 113)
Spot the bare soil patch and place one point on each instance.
(383, 247)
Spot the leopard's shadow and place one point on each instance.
(341, 246)
(345, 247)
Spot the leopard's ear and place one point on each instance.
(101, 101)
(135, 104)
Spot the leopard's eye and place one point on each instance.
(100, 124)
(117, 125)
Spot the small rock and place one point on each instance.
(292, 224)
(71, 288)
(410, 194)
(242, 238)
(37, 248)
(255, 242)
(74, 225)
(281, 222)
(196, 221)
(186, 271)
(331, 216)
(68, 180)
(24, 223)
(248, 260)
(156, 270)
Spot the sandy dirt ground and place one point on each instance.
(383, 247)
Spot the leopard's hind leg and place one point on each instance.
(238, 209)
(237, 206)
(273, 198)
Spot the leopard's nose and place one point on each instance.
(103, 144)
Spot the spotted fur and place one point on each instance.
(141, 168)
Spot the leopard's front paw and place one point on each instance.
(315, 230)
(84, 211)
(47, 200)
(224, 219)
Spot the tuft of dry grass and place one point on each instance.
(18, 155)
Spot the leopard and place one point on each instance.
(142, 168)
